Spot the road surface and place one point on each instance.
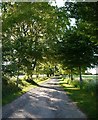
(47, 101)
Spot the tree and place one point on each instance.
(81, 38)
(24, 34)
(76, 51)
(30, 34)
(86, 16)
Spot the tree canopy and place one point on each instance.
(38, 35)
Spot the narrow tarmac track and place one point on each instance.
(47, 101)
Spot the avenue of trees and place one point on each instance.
(38, 38)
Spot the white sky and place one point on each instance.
(93, 70)
(60, 3)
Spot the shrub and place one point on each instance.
(76, 83)
(5, 80)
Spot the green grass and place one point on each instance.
(10, 91)
(85, 98)
(87, 77)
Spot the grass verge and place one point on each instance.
(10, 91)
(85, 98)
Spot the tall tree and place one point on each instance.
(31, 33)
(76, 50)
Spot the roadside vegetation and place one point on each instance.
(85, 97)
(10, 91)
(39, 38)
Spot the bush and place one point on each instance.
(67, 81)
(90, 87)
(5, 80)
(9, 89)
(76, 83)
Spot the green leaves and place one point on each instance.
(28, 29)
(37, 33)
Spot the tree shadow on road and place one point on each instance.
(32, 82)
(55, 87)
(40, 103)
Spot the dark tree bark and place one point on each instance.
(81, 80)
(71, 75)
(17, 82)
(33, 68)
(80, 74)
(47, 75)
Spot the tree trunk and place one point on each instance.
(71, 75)
(80, 74)
(31, 76)
(37, 76)
(17, 82)
(34, 65)
(33, 68)
(47, 75)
